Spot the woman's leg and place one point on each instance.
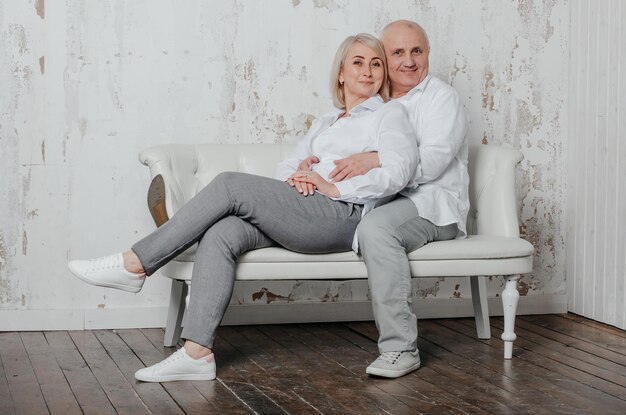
(214, 275)
(211, 288)
(312, 224)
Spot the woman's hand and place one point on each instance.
(302, 187)
(310, 177)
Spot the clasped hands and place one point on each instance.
(307, 181)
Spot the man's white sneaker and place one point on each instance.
(108, 272)
(179, 366)
(394, 364)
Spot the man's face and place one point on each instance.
(407, 58)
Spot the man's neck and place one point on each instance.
(400, 91)
(398, 94)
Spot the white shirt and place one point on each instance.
(440, 124)
(371, 126)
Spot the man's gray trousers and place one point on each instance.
(386, 235)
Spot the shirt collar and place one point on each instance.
(420, 87)
(370, 104)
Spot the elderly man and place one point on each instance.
(435, 209)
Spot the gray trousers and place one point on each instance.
(386, 235)
(235, 213)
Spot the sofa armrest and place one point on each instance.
(492, 193)
(172, 169)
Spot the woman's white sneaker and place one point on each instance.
(179, 366)
(108, 272)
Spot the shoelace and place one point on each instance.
(177, 355)
(105, 263)
(391, 357)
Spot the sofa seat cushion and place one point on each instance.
(472, 247)
(475, 255)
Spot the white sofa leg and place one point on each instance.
(175, 313)
(478, 285)
(510, 298)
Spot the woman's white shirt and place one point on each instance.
(370, 126)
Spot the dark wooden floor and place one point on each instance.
(562, 365)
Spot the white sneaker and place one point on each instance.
(394, 364)
(108, 272)
(179, 366)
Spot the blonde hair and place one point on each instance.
(336, 88)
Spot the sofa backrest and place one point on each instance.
(186, 169)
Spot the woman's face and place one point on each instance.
(362, 74)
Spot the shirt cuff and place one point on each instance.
(345, 189)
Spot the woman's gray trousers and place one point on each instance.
(235, 213)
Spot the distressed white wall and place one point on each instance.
(86, 85)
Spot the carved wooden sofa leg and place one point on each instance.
(510, 298)
(478, 285)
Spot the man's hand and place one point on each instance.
(307, 163)
(303, 187)
(355, 165)
(324, 187)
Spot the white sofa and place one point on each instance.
(493, 247)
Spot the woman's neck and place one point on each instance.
(351, 103)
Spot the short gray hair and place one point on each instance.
(410, 25)
(336, 88)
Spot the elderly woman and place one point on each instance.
(238, 212)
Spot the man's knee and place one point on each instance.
(376, 228)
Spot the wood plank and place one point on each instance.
(599, 194)
(477, 382)
(574, 186)
(236, 373)
(335, 380)
(540, 373)
(152, 394)
(615, 331)
(620, 246)
(592, 353)
(263, 363)
(183, 392)
(570, 364)
(613, 233)
(56, 391)
(590, 141)
(417, 387)
(6, 403)
(584, 332)
(286, 364)
(526, 381)
(112, 381)
(85, 386)
(336, 348)
(222, 397)
(25, 391)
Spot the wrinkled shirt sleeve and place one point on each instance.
(398, 155)
(442, 137)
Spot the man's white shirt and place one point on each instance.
(439, 189)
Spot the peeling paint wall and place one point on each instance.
(87, 85)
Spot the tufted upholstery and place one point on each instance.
(492, 248)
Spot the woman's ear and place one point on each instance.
(341, 77)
